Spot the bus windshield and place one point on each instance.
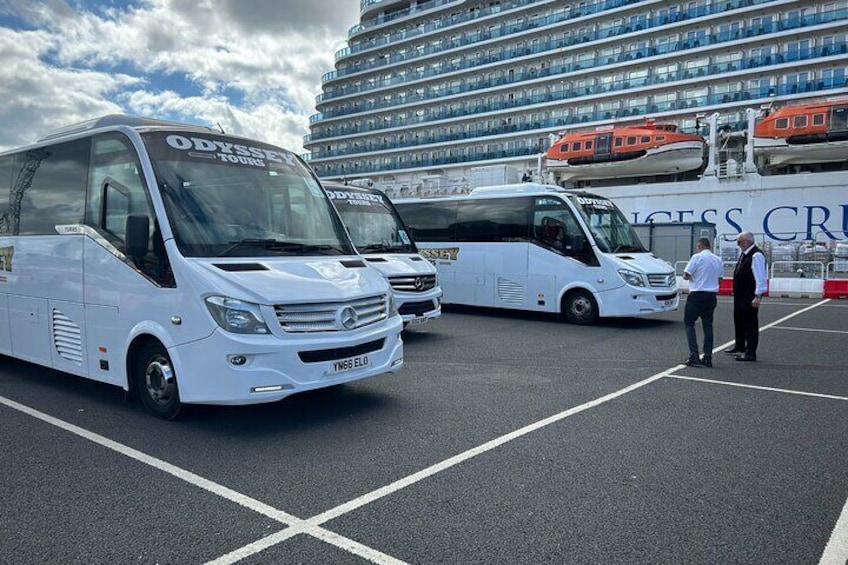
(611, 230)
(372, 221)
(228, 197)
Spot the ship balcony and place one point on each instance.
(741, 66)
(723, 37)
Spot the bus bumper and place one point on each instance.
(234, 369)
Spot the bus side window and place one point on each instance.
(48, 188)
(115, 191)
(5, 190)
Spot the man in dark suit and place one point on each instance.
(749, 285)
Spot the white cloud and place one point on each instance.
(256, 67)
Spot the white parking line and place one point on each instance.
(836, 551)
(298, 525)
(766, 388)
(811, 330)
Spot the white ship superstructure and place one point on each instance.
(435, 97)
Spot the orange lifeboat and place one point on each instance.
(806, 133)
(629, 151)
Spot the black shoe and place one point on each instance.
(706, 361)
(746, 358)
(734, 351)
(692, 362)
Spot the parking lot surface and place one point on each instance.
(506, 438)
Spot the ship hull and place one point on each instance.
(779, 208)
(664, 160)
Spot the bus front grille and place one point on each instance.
(413, 283)
(332, 316)
(666, 280)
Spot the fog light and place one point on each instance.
(397, 362)
(274, 388)
(238, 360)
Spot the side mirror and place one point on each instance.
(138, 235)
(576, 244)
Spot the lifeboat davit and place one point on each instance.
(628, 151)
(806, 133)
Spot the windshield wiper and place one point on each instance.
(270, 244)
(324, 249)
(626, 248)
(376, 247)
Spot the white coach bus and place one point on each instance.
(184, 265)
(537, 247)
(384, 241)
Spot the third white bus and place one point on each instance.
(538, 247)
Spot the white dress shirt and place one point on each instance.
(758, 265)
(705, 268)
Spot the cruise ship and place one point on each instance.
(441, 96)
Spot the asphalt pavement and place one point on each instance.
(507, 438)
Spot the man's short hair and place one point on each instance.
(704, 243)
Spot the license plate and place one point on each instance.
(418, 321)
(349, 364)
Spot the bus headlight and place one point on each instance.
(393, 311)
(237, 316)
(632, 277)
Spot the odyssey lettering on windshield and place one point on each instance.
(228, 152)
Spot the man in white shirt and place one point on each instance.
(750, 283)
(703, 272)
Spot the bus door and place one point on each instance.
(493, 234)
(117, 277)
(559, 253)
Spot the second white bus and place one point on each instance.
(538, 247)
(384, 241)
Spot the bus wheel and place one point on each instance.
(579, 307)
(156, 381)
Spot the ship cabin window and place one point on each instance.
(800, 122)
(781, 123)
(578, 146)
(660, 138)
(563, 148)
(631, 140)
(646, 139)
(588, 145)
(818, 119)
(619, 141)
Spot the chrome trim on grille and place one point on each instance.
(413, 283)
(332, 316)
(665, 280)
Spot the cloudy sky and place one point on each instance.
(254, 66)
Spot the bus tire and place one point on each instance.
(579, 307)
(156, 381)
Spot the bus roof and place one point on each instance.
(117, 120)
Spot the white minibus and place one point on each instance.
(537, 247)
(184, 265)
(384, 241)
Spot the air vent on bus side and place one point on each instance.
(67, 338)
